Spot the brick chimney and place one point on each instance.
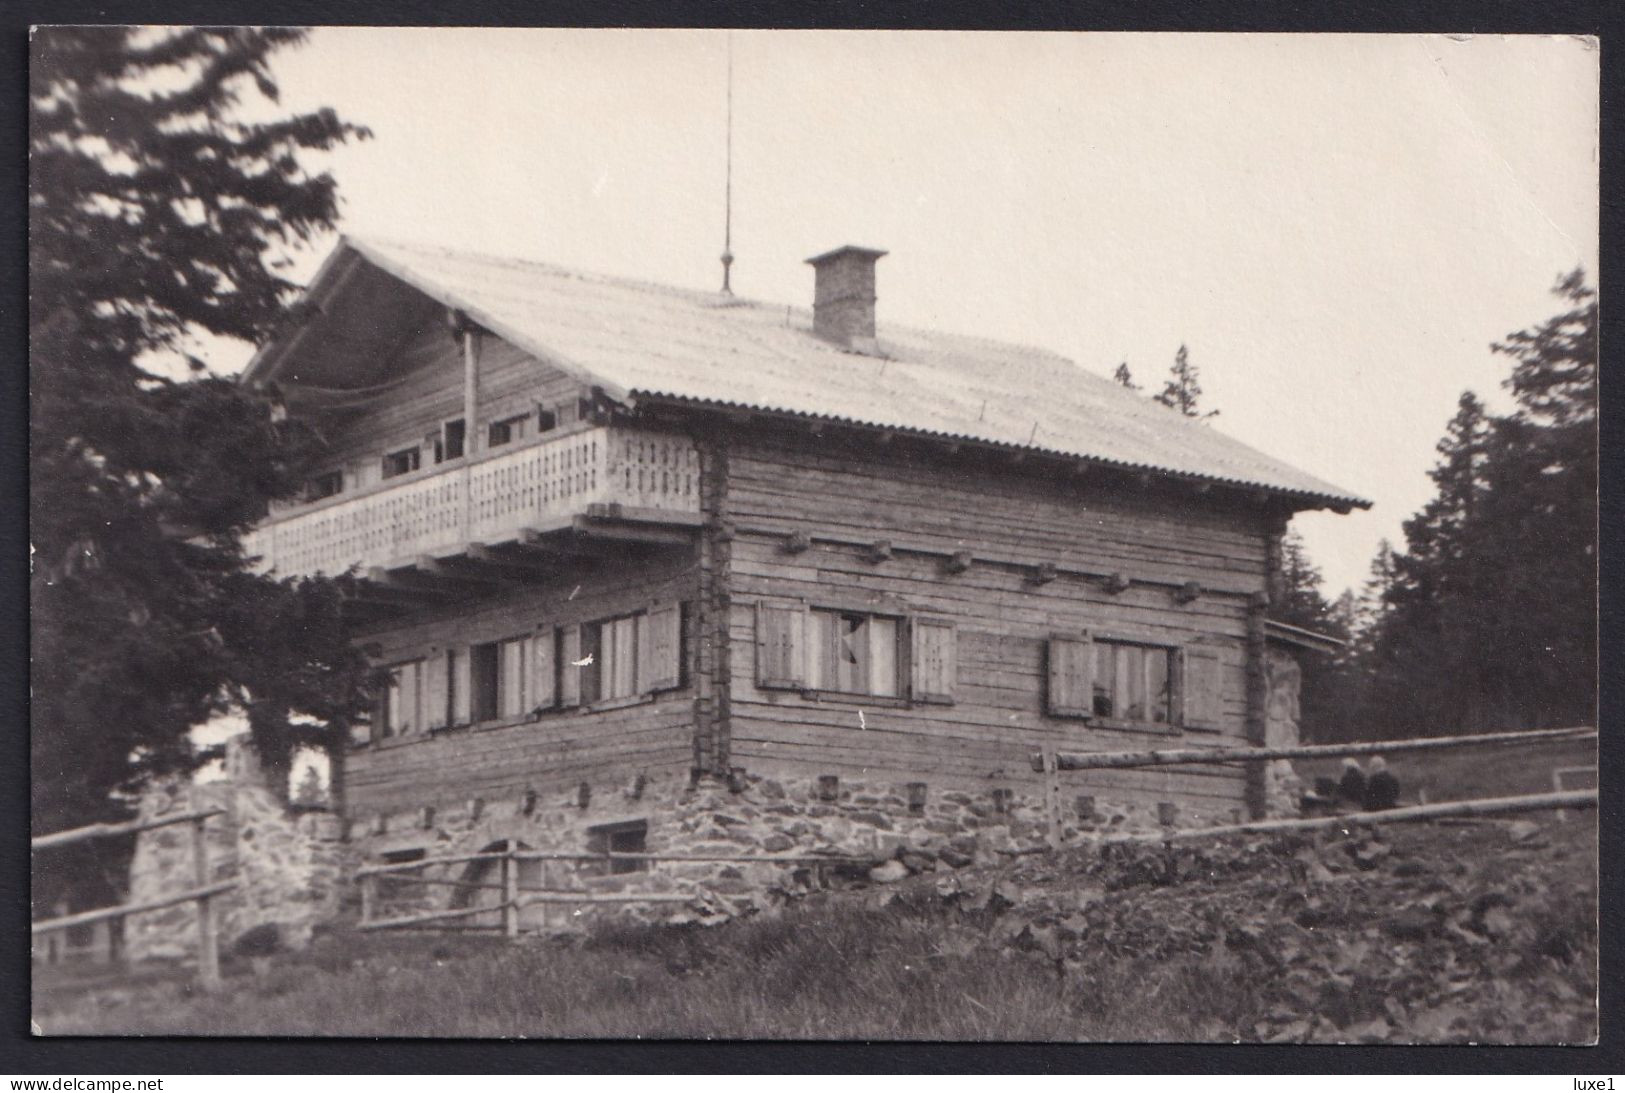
(844, 297)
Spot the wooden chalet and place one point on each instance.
(621, 540)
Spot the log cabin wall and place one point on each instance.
(1011, 519)
(611, 741)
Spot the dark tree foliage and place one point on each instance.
(1487, 619)
(1124, 377)
(1181, 391)
(155, 213)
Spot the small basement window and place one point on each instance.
(506, 431)
(629, 837)
(404, 461)
(399, 885)
(324, 485)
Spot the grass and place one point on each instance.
(837, 972)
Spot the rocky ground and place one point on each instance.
(1467, 932)
(1475, 931)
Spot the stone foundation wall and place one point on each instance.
(894, 829)
(289, 865)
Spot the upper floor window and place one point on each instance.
(324, 485)
(448, 441)
(404, 461)
(507, 430)
(546, 419)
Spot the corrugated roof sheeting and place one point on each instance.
(706, 347)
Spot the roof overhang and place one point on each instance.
(1297, 636)
(1296, 500)
(359, 308)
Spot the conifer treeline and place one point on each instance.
(1486, 618)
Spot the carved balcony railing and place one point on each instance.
(493, 497)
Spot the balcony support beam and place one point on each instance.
(396, 587)
(626, 532)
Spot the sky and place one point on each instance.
(1337, 226)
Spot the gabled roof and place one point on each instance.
(645, 341)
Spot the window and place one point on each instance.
(507, 430)
(404, 461)
(1132, 682)
(324, 485)
(393, 886)
(630, 837)
(448, 441)
(546, 419)
(403, 700)
(1113, 679)
(611, 650)
(853, 653)
(501, 679)
(838, 652)
(631, 655)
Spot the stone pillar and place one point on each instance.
(287, 863)
(1283, 788)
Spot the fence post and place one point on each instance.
(1052, 798)
(208, 951)
(366, 897)
(510, 893)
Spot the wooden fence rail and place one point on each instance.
(104, 831)
(1484, 806)
(1174, 756)
(516, 898)
(201, 892)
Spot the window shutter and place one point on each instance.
(1201, 685)
(544, 668)
(462, 686)
(513, 676)
(781, 645)
(1071, 677)
(436, 677)
(569, 672)
(933, 661)
(659, 648)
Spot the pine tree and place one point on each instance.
(1181, 391)
(1489, 618)
(156, 212)
(311, 792)
(1125, 377)
(1302, 603)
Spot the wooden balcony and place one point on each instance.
(613, 482)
